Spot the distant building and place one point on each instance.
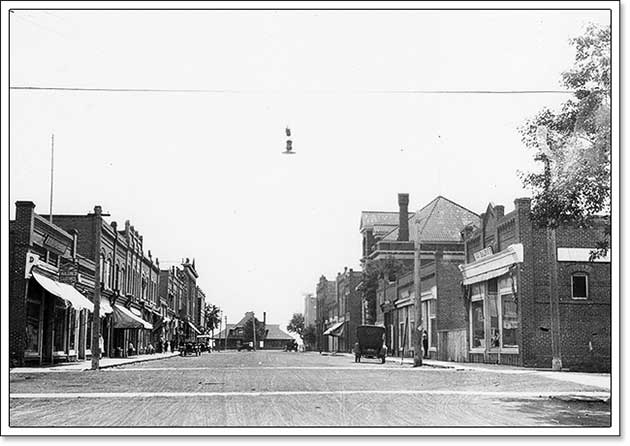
(233, 336)
(310, 310)
(326, 296)
(349, 309)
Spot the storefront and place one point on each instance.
(55, 313)
(493, 310)
(129, 331)
(334, 332)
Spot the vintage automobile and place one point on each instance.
(240, 345)
(370, 343)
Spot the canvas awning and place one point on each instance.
(195, 329)
(335, 330)
(106, 308)
(64, 291)
(124, 318)
(492, 266)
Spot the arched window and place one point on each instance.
(102, 268)
(579, 285)
(108, 277)
(117, 277)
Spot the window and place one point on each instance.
(477, 323)
(495, 335)
(432, 324)
(510, 320)
(33, 313)
(107, 278)
(102, 267)
(579, 286)
(88, 331)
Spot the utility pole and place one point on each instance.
(96, 318)
(417, 286)
(226, 334)
(254, 326)
(552, 258)
(52, 168)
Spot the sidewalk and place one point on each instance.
(81, 366)
(601, 380)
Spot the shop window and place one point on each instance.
(477, 322)
(59, 337)
(88, 331)
(33, 316)
(72, 322)
(492, 285)
(579, 286)
(510, 320)
(495, 336)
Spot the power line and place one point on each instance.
(234, 91)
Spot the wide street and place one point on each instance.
(268, 388)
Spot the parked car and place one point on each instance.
(370, 343)
(249, 346)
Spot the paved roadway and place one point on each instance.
(268, 388)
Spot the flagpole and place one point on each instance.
(52, 167)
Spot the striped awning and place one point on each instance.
(335, 330)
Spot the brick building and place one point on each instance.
(326, 296)
(48, 320)
(427, 245)
(129, 282)
(507, 293)
(348, 310)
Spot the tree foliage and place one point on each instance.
(574, 182)
(373, 272)
(309, 336)
(297, 324)
(212, 316)
(248, 330)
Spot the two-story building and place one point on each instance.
(509, 301)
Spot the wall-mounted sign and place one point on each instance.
(32, 259)
(485, 252)
(54, 245)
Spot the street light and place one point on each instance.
(289, 149)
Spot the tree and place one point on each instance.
(574, 144)
(309, 336)
(373, 272)
(212, 316)
(248, 330)
(297, 324)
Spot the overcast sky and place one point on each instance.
(202, 175)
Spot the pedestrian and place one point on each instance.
(101, 345)
(131, 350)
(425, 343)
(357, 352)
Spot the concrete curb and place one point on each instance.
(134, 361)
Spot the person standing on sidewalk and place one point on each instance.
(425, 344)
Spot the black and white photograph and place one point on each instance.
(311, 218)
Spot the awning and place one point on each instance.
(136, 311)
(106, 308)
(65, 292)
(335, 330)
(194, 328)
(492, 266)
(123, 318)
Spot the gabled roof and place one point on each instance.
(275, 332)
(439, 221)
(379, 221)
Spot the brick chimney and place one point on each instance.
(403, 217)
